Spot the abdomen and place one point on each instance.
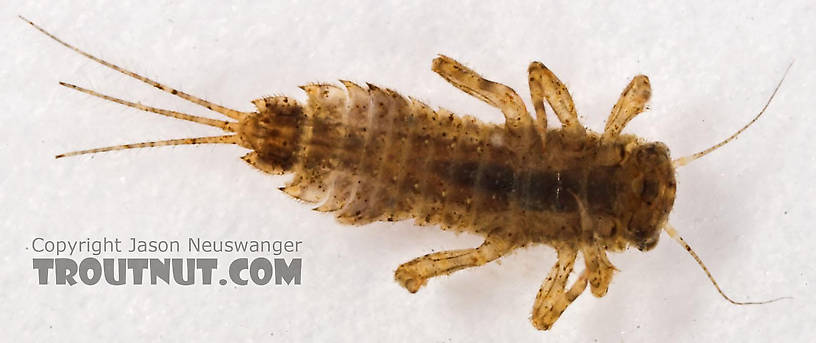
(370, 155)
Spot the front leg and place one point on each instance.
(598, 268)
(632, 101)
(553, 298)
(414, 274)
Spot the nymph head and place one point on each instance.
(649, 194)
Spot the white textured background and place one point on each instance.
(747, 209)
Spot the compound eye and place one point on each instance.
(647, 244)
(644, 238)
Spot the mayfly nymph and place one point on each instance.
(369, 154)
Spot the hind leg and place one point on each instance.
(414, 274)
(495, 94)
(553, 297)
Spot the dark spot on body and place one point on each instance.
(485, 84)
(497, 178)
(601, 189)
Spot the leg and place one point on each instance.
(632, 101)
(552, 299)
(498, 95)
(545, 85)
(599, 270)
(413, 275)
(537, 92)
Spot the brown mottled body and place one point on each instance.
(369, 154)
(439, 168)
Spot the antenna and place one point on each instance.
(687, 159)
(673, 234)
